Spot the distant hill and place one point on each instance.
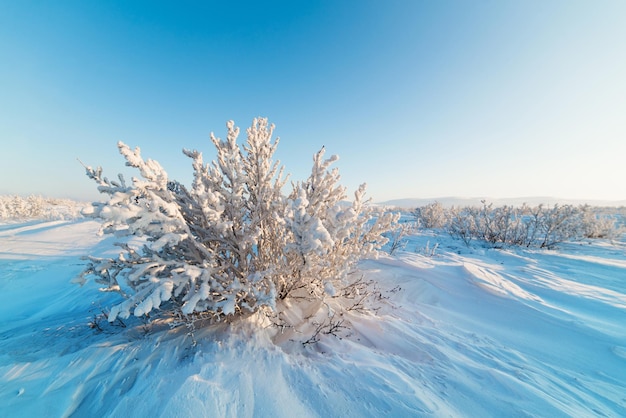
(517, 201)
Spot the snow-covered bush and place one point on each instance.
(398, 237)
(431, 216)
(233, 243)
(599, 224)
(538, 226)
(462, 223)
(38, 207)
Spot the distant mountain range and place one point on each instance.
(516, 201)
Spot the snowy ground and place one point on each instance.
(465, 332)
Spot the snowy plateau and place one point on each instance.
(461, 332)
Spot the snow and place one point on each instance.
(463, 332)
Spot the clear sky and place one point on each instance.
(418, 98)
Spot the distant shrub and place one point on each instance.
(232, 244)
(601, 223)
(538, 226)
(430, 216)
(38, 207)
(397, 236)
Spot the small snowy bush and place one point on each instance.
(538, 226)
(16, 208)
(232, 244)
(599, 224)
(430, 216)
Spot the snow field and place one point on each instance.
(464, 332)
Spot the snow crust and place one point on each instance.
(464, 332)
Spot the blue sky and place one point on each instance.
(418, 98)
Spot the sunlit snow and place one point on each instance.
(463, 332)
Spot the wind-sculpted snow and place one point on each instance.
(463, 332)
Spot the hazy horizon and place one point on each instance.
(409, 202)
